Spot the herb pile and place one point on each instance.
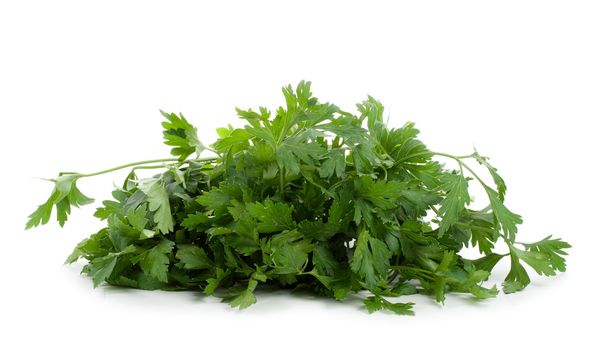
(310, 196)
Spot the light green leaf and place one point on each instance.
(371, 259)
(192, 257)
(376, 303)
(454, 202)
(335, 163)
(137, 218)
(159, 204)
(64, 195)
(181, 135)
(101, 268)
(155, 261)
(498, 180)
(272, 216)
(517, 279)
(505, 217)
(553, 249)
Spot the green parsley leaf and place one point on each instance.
(181, 135)
(517, 278)
(498, 180)
(159, 204)
(371, 259)
(193, 258)
(101, 268)
(155, 261)
(454, 202)
(552, 250)
(64, 195)
(335, 163)
(376, 303)
(505, 217)
(272, 216)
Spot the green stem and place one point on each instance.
(411, 156)
(140, 163)
(459, 160)
(282, 183)
(385, 170)
(427, 153)
(150, 166)
(427, 273)
(475, 227)
(129, 165)
(393, 275)
(434, 209)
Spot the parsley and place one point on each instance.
(309, 196)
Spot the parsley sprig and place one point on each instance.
(309, 196)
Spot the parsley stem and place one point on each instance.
(282, 183)
(141, 167)
(411, 156)
(426, 153)
(162, 160)
(475, 227)
(128, 165)
(461, 163)
(428, 274)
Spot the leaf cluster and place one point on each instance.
(307, 196)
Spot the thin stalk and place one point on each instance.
(163, 160)
(411, 156)
(142, 167)
(458, 159)
(475, 227)
(282, 182)
(426, 153)
(128, 166)
(427, 273)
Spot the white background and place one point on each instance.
(81, 84)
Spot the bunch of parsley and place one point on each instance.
(309, 196)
